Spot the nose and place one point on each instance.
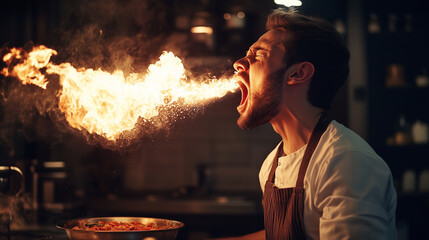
(241, 64)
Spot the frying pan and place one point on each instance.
(169, 229)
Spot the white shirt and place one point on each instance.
(349, 192)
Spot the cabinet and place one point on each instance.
(397, 50)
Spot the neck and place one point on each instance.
(295, 127)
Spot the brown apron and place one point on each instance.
(284, 208)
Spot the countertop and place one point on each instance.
(35, 233)
(219, 205)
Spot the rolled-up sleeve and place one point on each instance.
(356, 198)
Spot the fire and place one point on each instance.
(110, 103)
(28, 71)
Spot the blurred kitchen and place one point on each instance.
(201, 169)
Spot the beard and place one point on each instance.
(264, 105)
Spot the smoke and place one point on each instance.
(115, 34)
(17, 211)
(30, 111)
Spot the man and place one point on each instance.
(322, 181)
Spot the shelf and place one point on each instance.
(407, 95)
(387, 105)
(401, 158)
(411, 196)
(408, 151)
(403, 91)
(408, 147)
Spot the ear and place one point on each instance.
(300, 73)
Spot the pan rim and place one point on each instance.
(62, 224)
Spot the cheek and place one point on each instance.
(258, 78)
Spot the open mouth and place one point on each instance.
(244, 94)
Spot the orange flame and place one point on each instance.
(109, 103)
(28, 71)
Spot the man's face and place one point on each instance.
(260, 75)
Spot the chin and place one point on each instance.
(242, 123)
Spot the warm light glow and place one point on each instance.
(202, 29)
(110, 103)
(241, 15)
(289, 3)
(227, 16)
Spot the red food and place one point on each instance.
(118, 226)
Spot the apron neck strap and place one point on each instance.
(319, 129)
(317, 133)
(275, 163)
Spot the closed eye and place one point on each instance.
(250, 52)
(256, 54)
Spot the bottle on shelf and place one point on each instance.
(424, 181)
(395, 76)
(403, 132)
(422, 80)
(393, 20)
(374, 24)
(409, 181)
(419, 132)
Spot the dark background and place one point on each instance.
(130, 35)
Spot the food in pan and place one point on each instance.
(118, 226)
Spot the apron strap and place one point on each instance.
(275, 163)
(317, 133)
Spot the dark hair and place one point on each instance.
(317, 41)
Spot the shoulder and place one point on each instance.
(341, 149)
(351, 187)
(339, 143)
(345, 165)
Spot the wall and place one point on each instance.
(232, 156)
